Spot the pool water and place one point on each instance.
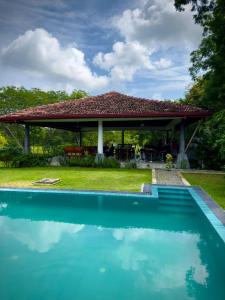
(58, 245)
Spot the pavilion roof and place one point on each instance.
(109, 105)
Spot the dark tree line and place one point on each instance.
(208, 73)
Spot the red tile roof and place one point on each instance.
(109, 105)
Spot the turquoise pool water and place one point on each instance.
(95, 246)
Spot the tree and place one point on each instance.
(194, 94)
(208, 89)
(17, 98)
(211, 142)
(209, 58)
(77, 94)
(3, 140)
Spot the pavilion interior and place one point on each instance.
(166, 128)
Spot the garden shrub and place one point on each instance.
(52, 150)
(130, 165)
(107, 163)
(86, 161)
(90, 161)
(12, 156)
(9, 153)
(30, 160)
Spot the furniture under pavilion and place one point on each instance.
(110, 112)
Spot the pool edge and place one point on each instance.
(214, 213)
(154, 193)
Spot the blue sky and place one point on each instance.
(138, 47)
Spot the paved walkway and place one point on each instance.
(168, 177)
(150, 165)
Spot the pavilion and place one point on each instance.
(110, 111)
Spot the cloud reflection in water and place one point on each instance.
(38, 236)
(153, 253)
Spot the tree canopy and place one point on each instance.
(209, 59)
(208, 73)
(15, 98)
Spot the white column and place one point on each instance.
(100, 137)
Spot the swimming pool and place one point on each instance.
(90, 245)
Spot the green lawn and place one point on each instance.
(77, 178)
(213, 184)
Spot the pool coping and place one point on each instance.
(69, 191)
(214, 214)
(218, 211)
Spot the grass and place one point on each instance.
(213, 184)
(77, 178)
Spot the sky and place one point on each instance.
(137, 47)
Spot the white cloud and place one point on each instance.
(40, 54)
(163, 63)
(157, 24)
(154, 26)
(125, 60)
(155, 42)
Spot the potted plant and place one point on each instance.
(169, 161)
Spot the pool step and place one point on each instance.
(171, 193)
(180, 202)
(175, 200)
(165, 191)
(176, 209)
(182, 194)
